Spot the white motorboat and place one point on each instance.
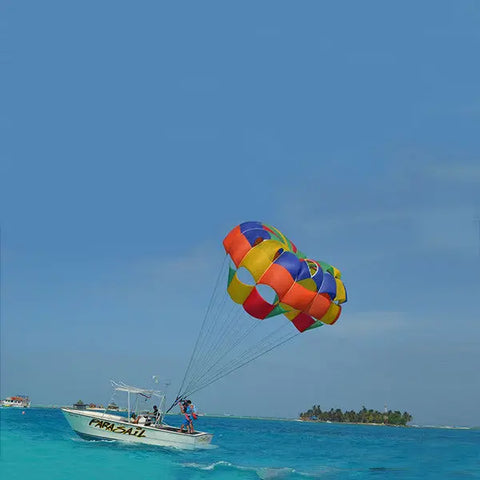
(18, 401)
(137, 427)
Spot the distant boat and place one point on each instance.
(18, 401)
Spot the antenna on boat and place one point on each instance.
(166, 385)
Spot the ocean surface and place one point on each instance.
(39, 444)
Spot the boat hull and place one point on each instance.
(101, 426)
(16, 402)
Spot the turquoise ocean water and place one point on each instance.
(39, 444)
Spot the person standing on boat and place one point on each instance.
(188, 409)
(186, 422)
(192, 412)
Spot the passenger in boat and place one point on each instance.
(190, 412)
(138, 419)
(153, 417)
(187, 422)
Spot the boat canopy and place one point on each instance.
(122, 387)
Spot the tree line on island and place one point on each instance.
(389, 417)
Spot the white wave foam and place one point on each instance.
(212, 466)
(264, 473)
(76, 438)
(448, 427)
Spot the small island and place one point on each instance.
(388, 417)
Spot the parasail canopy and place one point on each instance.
(308, 292)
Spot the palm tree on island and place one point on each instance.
(315, 414)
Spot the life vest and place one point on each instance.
(191, 410)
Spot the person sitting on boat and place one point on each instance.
(140, 419)
(153, 417)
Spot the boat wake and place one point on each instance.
(445, 427)
(264, 473)
(92, 441)
(206, 446)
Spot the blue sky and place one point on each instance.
(137, 134)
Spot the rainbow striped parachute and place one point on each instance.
(308, 292)
(267, 276)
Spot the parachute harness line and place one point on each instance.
(240, 325)
(229, 339)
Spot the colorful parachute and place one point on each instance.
(308, 292)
